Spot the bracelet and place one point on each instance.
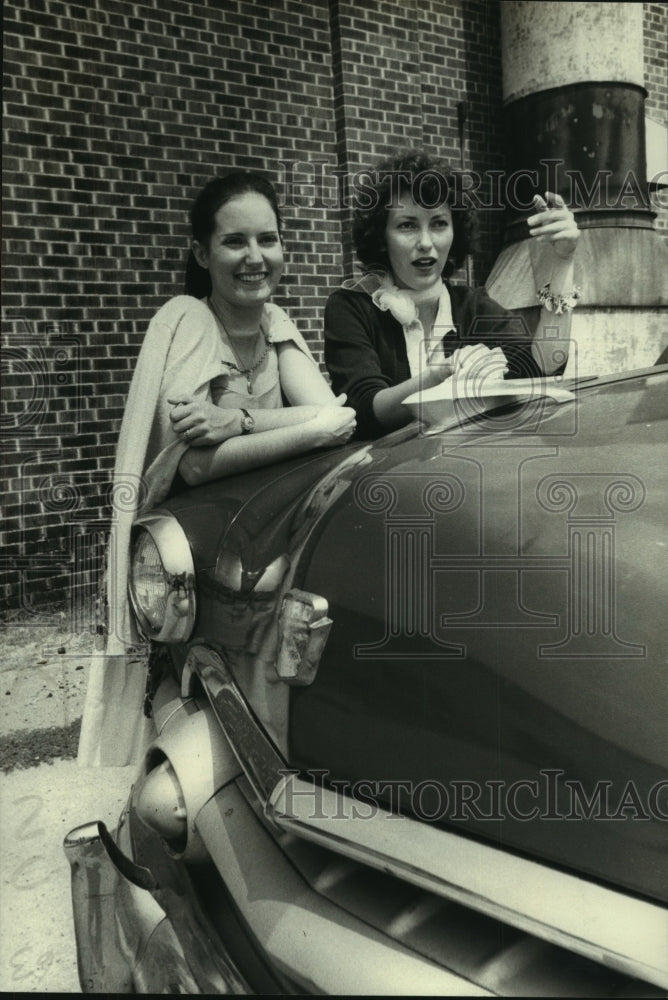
(558, 304)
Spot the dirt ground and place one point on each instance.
(43, 677)
(44, 793)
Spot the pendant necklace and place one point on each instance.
(237, 368)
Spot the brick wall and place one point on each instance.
(656, 82)
(115, 114)
(401, 70)
(460, 56)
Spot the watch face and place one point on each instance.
(247, 422)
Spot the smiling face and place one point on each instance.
(418, 242)
(244, 255)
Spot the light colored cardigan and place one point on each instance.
(181, 353)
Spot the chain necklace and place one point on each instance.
(237, 368)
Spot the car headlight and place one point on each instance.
(162, 578)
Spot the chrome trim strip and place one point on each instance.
(621, 931)
(177, 561)
(257, 756)
(294, 925)
(606, 926)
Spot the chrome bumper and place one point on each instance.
(126, 941)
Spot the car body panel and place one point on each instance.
(469, 792)
(135, 938)
(510, 689)
(501, 688)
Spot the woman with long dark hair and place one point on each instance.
(224, 383)
(252, 359)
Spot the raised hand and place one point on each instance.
(201, 424)
(554, 223)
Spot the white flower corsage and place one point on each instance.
(558, 304)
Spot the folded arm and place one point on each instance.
(331, 426)
(317, 419)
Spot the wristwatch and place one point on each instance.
(247, 422)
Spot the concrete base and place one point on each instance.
(615, 340)
(621, 321)
(614, 266)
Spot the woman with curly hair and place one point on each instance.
(402, 327)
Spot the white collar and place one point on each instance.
(403, 304)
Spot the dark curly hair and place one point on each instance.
(213, 196)
(431, 182)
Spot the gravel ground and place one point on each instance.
(43, 675)
(43, 795)
(38, 807)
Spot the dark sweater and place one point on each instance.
(365, 349)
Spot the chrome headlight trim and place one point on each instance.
(179, 570)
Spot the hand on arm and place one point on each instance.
(555, 224)
(333, 424)
(330, 426)
(201, 424)
(317, 419)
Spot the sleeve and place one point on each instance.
(280, 329)
(192, 361)
(352, 360)
(479, 319)
(180, 354)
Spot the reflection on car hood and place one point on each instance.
(497, 656)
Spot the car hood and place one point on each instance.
(497, 659)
